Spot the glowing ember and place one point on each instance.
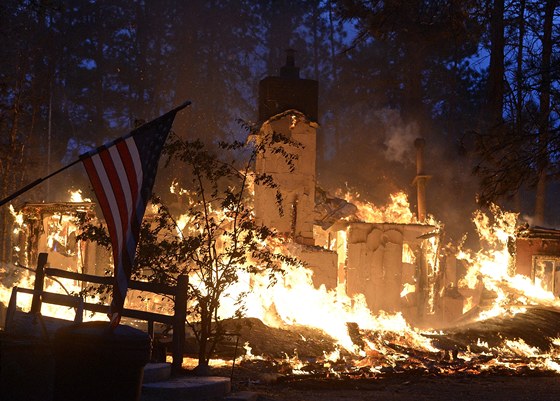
(407, 289)
(76, 196)
(397, 211)
(408, 255)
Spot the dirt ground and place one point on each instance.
(417, 377)
(274, 386)
(417, 388)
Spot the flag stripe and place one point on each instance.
(95, 175)
(123, 189)
(109, 179)
(130, 176)
(102, 198)
(136, 176)
(122, 255)
(113, 218)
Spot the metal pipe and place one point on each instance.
(420, 179)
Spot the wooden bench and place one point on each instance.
(176, 321)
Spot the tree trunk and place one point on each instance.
(519, 89)
(544, 111)
(519, 81)
(10, 170)
(496, 69)
(540, 199)
(205, 327)
(203, 369)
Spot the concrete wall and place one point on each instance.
(374, 264)
(393, 281)
(297, 187)
(322, 262)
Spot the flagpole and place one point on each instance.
(40, 180)
(35, 183)
(180, 107)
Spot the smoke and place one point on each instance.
(399, 137)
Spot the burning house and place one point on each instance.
(391, 259)
(537, 255)
(52, 228)
(392, 262)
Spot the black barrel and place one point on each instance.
(26, 368)
(96, 363)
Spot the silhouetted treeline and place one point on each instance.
(477, 79)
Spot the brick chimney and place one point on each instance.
(288, 91)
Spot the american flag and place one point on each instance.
(122, 174)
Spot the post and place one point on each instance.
(151, 328)
(39, 283)
(79, 318)
(234, 356)
(180, 317)
(12, 306)
(420, 179)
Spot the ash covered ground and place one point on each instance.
(407, 387)
(469, 362)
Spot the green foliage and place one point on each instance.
(219, 238)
